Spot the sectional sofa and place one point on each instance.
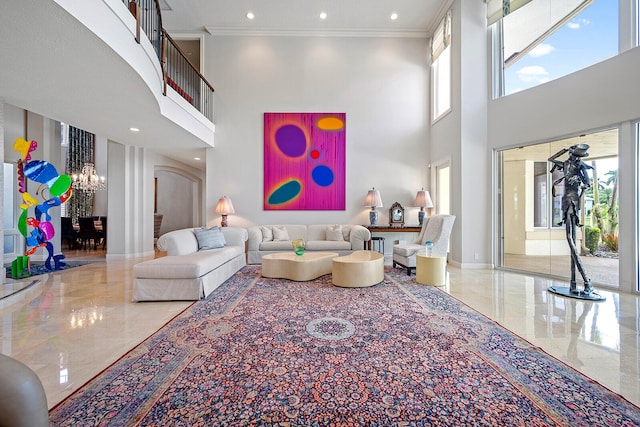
(193, 267)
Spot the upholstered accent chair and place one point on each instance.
(437, 229)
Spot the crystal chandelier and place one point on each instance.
(88, 180)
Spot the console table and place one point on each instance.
(389, 229)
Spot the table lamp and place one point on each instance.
(224, 207)
(375, 201)
(423, 200)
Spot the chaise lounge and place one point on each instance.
(193, 268)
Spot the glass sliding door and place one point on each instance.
(533, 236)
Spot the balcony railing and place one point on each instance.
(183, 77)
(178, 72)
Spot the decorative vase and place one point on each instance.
(373, 216)
(428, 248)
(298, 246)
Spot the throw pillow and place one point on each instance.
(334, 232)
(346, 232)
(267, 234)
(209, 238)
(280, 233)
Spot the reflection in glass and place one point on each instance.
(532, 209)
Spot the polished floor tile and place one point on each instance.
(599, 339)
(71, 325)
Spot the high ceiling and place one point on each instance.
(56, 67)
(344, 17)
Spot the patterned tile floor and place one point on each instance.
(71, 325)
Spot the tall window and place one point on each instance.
(441, 68)
(546, 39)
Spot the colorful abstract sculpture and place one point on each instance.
(41, 230)
(20, 267)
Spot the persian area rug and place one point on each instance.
(281, 353)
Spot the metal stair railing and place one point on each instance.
(177, 71)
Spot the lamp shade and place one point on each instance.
(224, 206)
(423, 199)
(373, 199)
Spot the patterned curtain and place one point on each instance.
(81, 150)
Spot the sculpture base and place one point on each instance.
(566, 292)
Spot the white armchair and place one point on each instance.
(436, 229)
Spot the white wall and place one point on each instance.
(381, 85)
(461, 135)
(597, 97)
(175, 200)
(181, 193)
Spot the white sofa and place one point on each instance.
(187, 273)
(314, 236)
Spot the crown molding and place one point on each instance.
(316, 32)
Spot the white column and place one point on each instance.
(628, 207)
(130, 208)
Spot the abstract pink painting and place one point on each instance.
(304, 161)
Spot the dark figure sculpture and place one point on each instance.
(576, 180)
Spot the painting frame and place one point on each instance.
(304, 161)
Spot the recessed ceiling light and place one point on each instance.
(394, 16)
(250, 15)
(196, 158)
(323, 15)
(134, 129)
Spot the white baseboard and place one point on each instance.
(471, 265)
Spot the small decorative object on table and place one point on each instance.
(298, 246)
(428, 245)
(396, 215)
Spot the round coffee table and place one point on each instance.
(358, 269)
(288, 265)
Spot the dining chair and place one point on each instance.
(88, 232)
(67, 232)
